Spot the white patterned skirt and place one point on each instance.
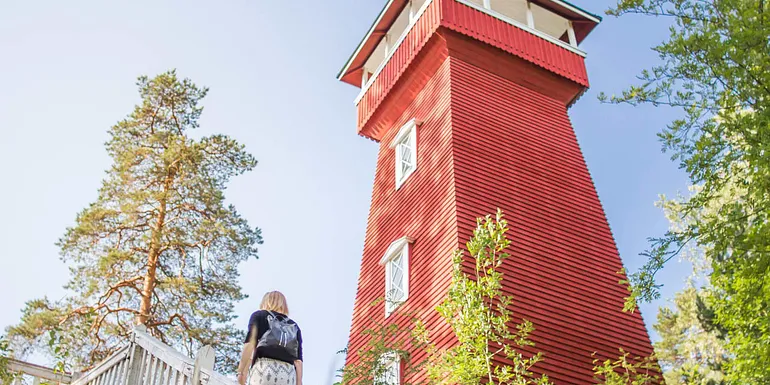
(272, 372)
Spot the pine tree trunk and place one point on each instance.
(150, 279)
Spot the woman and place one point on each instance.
(272, 352)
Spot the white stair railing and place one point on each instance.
(38, 374)
(144, 361)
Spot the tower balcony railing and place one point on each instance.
(523, 14)
(532, 18)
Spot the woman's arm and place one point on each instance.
(246, 357)
(298, 367)
(298, 362)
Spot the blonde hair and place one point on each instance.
(275, 301)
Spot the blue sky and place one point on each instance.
(67, 74)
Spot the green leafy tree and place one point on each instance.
(6, 376)
(480, 315)
(715, 69)
(690, 350)
(688, 353)
(159, 246)
(386, 341)
(627, 370)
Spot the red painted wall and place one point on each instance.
(515, 149)
(423, 209)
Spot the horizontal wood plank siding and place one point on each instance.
(406, 91)
(423, 209)
(515, 149)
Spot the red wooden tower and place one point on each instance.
(468, 100)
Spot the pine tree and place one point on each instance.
(5, 353)
(159, 246)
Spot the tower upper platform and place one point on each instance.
(545, 33)
(555, 21)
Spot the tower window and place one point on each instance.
(390, 370)
(396, 261)
(405, 145)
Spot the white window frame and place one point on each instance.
(407, 132)
(389, 361)
(400, 247)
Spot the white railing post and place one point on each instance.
(571, 33)
(203, 360)
(387, 44)
(488, 4)
(530, 16)
(134, 372)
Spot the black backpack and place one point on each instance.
(281, 332)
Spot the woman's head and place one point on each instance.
(275, 301)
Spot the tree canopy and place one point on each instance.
(715, 69)
(159, 246)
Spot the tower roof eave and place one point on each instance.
(588, 15)
(371, 39)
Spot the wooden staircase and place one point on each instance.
(143, 361)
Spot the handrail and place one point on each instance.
(158, 349)
(531, 29)
(38, 371)
(147, 360)
(104, 366)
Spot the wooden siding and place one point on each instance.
(405, 92)
(511, 67)
(423, 209)
(515, 149)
